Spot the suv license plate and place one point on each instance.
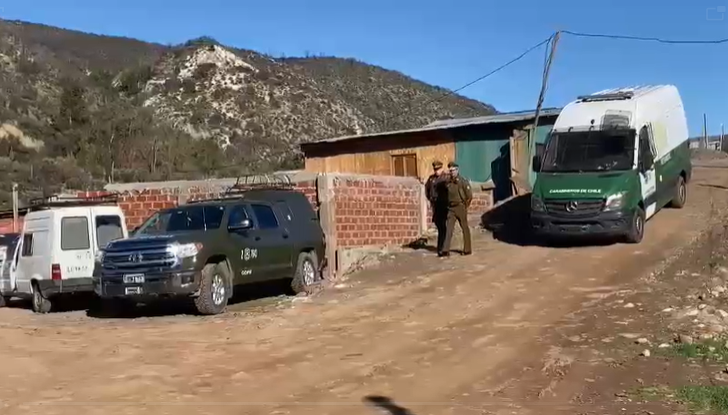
(132, 290)
(133, 278)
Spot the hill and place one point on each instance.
(79, 110)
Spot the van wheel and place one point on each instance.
(307, 273)
(637, 227)
(214, 287)
(681, 194)
(41, 304)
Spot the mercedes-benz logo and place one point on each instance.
(571, 206)
(135, 257)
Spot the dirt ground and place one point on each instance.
(512, 329)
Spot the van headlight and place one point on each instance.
(537, 204)
(184, 250)
(614, 202)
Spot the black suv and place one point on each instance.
(202, 249)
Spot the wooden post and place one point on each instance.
(327, 218)
(15, 207)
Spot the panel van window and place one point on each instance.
(74, 233)
(589, 151)
(108, 228)
(266, 217)
(27, 244)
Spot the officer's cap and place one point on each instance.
(452, 164)
(437, 164)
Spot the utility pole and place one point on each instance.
(15, 207)
(545, 80)
(721, 138)
(705, 131)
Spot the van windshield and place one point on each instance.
(589, 151)
(188, 218)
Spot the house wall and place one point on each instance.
(374, 155)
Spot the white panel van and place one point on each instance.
(59, 243)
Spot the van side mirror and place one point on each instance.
(240, 226)
(536, 164)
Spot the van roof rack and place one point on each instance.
(251, 182)
(60, 201)
(608, 96)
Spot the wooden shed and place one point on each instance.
(491, 148)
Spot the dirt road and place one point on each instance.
(476, 334)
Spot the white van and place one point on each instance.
(60, 241)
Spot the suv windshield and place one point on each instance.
(187, 218)
(589, 151)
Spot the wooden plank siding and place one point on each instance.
(392, 156)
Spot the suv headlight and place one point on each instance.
(614, 202)
(185, 250)
(537, 204)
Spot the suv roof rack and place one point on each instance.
(609, 96)
(250, 182)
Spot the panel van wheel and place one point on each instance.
(681, 194)
(5, 300)
(214, 287)
(637, 227)
(307, 273)
(41, 304)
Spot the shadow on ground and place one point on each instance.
(386, 405)
(510, 222)
(249, 293)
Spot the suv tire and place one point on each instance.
(5, 300)
(41, 304)
(307, 273)
(636, 227)
(681, 194)
(214, 287)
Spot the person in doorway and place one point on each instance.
(459, 197)
(436, 192)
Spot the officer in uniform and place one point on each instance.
(436, 192)
(459, 197)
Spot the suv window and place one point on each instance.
(108, 228)
(186, 218)
(237, 214)
(266, 217)
(74, 233)
(284, 209)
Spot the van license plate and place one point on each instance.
(132, 290)
(133, 278)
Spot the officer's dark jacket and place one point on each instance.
(436, 189)
(459, 192)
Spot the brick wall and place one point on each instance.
(371, 211)
(482, 202)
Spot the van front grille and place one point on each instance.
(574, 207)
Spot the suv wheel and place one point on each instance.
(5, 300)
(637, 227)
(214, 289)
(307, 272)
(681, 194)
(41, 304)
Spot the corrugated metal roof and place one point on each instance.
(454, 123)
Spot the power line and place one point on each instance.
(493, 72)
(646, 39)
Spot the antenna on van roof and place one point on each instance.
(611, 96)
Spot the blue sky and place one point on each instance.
(447, 43)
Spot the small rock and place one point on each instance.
(722, 313)
(685, 339)
(702, 306)
(629, 335)
(707, 336)
(642, 340)
(719, 289)
(716, 328)
(629, 305)
(663, 346)
(723, 270)
(667, 310)
(711, 349)
(645, 353)
(692, 313)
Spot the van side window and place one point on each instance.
(266, 217)
(108, 228)
(27, 244)
(74, 233)
(645, 146)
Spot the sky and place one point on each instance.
(447, 43)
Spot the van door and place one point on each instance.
(646, 169)
(76, 255)
(33, 260)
